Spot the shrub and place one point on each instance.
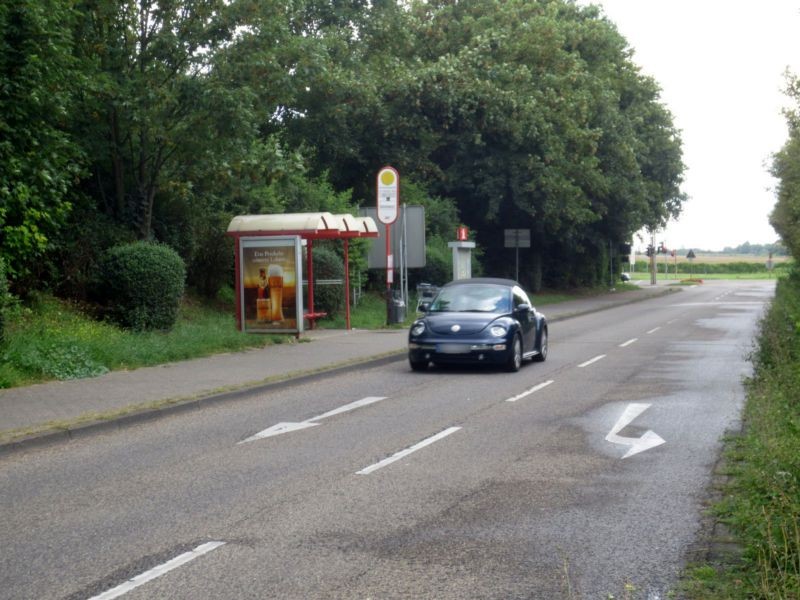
(212, 260)
(328, 265)
(78, 249)
(141, 285)
(438, 268)
(3, 299)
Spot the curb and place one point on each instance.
(58, 435)
(55, 436)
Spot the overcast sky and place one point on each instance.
(720, 65)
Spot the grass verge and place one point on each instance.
(761, 501)
(52, 339)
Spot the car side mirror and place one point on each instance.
(424, 307)
(523, 308)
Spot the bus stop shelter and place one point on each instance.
(308, 227)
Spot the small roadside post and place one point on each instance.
(462, 254)
(388, 203)
(690, 257)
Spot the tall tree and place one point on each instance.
(528, 114)
(156, 105)
(785, 217)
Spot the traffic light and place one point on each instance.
(650, 250)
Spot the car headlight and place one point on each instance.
(498, 331)
(418, 328)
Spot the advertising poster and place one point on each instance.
(270, 278)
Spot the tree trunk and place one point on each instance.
(144, 210)
(117, 165)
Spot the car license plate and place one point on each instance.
(452, 349)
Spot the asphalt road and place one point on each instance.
(581, 477)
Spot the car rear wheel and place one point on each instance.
(542, 356)
(515, 358)
(418, 365)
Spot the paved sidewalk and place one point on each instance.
(57, 411)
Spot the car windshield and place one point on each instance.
(473, 298)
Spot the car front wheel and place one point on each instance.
(515, 358)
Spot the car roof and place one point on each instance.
(484, 280)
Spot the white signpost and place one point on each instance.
(388, 201)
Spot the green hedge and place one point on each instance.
(699, 268)
(141, 285)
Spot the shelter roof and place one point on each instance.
(319, 225)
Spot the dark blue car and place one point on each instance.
(478, 321)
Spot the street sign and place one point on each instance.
(407, 238)
(388, 194)
(517, 238)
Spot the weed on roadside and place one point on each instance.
(761, 505)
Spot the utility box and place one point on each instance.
(462, 259)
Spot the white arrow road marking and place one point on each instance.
(347, 407)
(279, 429)
(288, 427)
(403, 453)
(649, 440)
(591, 361)
(534, 389)
(158, 571)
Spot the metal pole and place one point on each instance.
(653, 269)
(389, 274)
(310, 268)
(400, 259)
(347, 284)
(405, 256)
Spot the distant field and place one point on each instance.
(718, 258)
(713, 266)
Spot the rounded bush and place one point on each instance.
(141, 285)
(328, 265)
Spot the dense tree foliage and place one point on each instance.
(786, 168)
(526, 114)
(39, 161)
(498, 114)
